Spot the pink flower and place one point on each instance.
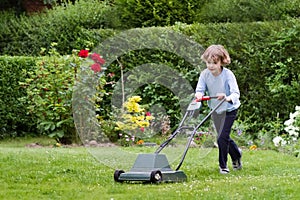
(96, 67)
(142, 129)
(83, 53)
(148, 114)
(97, 58)
(111, 74)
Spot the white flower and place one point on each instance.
(289, 122)
(290, 127)
(293, 115)
(279, 141)
(294, 132)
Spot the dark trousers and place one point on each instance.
(223, 123)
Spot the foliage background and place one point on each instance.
(262, 38)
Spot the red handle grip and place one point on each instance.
(205, 98)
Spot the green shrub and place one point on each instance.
(284, 82)
(289, 8)
(265, 61)
(152, 93)
(240, 11)
(254, 51)
(14, 121)
(255, 48)
(71, 25)
(63, 25)
(136, 13)
(49, 95)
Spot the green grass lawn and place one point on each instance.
(73, 173)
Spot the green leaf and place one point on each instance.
(58, 134)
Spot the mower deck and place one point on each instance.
(151, 168)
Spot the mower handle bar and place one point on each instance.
(164, 144)
(206, 98)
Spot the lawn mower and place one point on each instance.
(155, 168)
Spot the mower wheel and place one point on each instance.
(117, 175)
(156, 176)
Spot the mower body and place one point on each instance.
(151, 168)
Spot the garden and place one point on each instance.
(83, 93)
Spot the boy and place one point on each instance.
(221, 82)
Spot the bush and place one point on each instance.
(134, 13)
(265, 61)
(241, 11)
(49, 95)
(255, 48)
(165, 13)
(63, 25)
(14, 121)
(75, 26)
(254, 51)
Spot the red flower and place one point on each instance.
(97, 58)
(148, 114)
(83, 53)
(142, 129)
(96, 67)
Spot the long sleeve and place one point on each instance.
(201, 85)
(232, 88)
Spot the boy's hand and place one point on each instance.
(222, 96)
(198, 96)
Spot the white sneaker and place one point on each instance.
(224, 170)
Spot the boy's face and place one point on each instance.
(214, 67)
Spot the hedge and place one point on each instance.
(68, 25)
(262, 54)
(13, 117)
(265, 61)
(134, 13)
(149, 13)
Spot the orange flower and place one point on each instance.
(253, 147)
(140, 142)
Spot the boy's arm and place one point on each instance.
(234, 89)
(201, 87)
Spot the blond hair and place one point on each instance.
(216, 53)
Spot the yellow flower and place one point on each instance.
(135, 99)
(140, 118)
(120, 125)
(133, 119)
(57, 145)
(149, 118)
(133, 107)
(253, 147)
(134, 115)
(143, 123)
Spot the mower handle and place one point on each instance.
(206, 98)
